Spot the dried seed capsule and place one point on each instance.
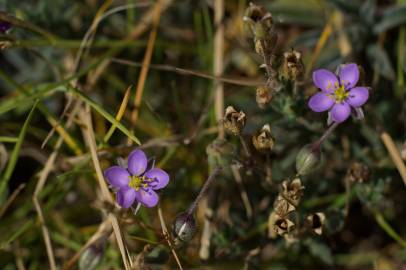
(183, 228)
(308, 159)
(292, 68)
(263, 140)
(258, 20)
(358, 172)
(315, 222)
(282, 207)
(234, 121)
(293, 190)
(263, 96)
(283, 226)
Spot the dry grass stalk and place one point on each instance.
(91, 141)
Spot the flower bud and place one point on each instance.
(263, 96)
(234, 121)
(315, 222)
(292, 68)
(308, 159)
(183, 228)
(263, 140)
(358, 172)
(92, 256)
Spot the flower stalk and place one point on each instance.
(204, 189)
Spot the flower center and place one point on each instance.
(137, 182)
(340, 94)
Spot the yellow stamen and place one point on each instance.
(136, 182)
(340, 94)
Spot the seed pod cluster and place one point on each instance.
(285, 204)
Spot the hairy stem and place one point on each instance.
(204, 189)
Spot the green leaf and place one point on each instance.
(391, 18)
(319, 250)
(23, 100)
(371, 194)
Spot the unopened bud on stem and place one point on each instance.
(184, 225)
(183, 228)
(92, 256)
(308, 159)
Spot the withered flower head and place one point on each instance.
(293, 190)
(292, 67)
(263, 96)
(258, 20)
(358, 172)
(234, 121)
(283, 226)
(315, 222)
(263, 140)
(282, 207)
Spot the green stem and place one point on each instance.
(388, 229)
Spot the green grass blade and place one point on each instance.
(8, 139)
(105, 114)
(16, 151)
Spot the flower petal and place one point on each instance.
(320, 102)
(340, 112)
(137, 162)
(117, 177)
(349, 75)
(325, 80)
(160, 176)
(147, 197)
(358, 96)
(125, 197)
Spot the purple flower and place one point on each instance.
(136, 183)
(338, 95)
(4, 26)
